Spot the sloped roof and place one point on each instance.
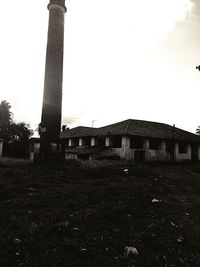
(134, 127)
(79, 131)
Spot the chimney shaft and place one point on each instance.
(60, 3)
(52, 97)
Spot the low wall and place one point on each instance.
(70, 156)
(107, 153)
(182, 157)
(156, 155)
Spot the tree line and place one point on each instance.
(16, 135)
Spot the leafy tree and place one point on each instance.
(19, 139)
(16, 135)
(20, 132)
(198, 130)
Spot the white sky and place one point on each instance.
(123, 59)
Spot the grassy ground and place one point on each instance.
(86, 214)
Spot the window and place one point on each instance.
(75, 142)
(86, 141)
(182, 148)
(117, 141)
(136, 142)
(101, 141)
(153, 144)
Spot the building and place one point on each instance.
(1, 147)
(136, 140)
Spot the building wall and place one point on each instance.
(111, 152)
(70, 156)
(156, 155)
(35, 150)
(182, 156)
(198, 152)
(1, 148)
(142, 154)
(124, 152)
(159, 154)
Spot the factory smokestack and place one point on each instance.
(52, 98)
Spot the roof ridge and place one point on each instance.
(84, 127)
(114, 123)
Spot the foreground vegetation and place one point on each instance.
(88, 214)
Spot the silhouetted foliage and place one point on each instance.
(6, 117)
(198, 130)
(15, 135)
(19, 139)
(20, 132)
(5, 113)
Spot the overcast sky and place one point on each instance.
(123, 59)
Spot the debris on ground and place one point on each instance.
(154, 200)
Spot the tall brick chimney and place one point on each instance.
(52, 97)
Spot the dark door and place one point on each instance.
(194, 152)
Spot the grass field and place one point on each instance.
(87, 214)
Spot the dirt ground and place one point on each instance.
(108, 213)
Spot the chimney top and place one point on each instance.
(60, 3)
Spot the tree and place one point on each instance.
(6, 117)
(198, 130)
(19, 139)
(20, 131)
(16, 135)
(5, 113)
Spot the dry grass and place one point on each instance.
(85, 214)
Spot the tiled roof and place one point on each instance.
(134, 127)
(79, 131)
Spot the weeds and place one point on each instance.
(95, 214)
